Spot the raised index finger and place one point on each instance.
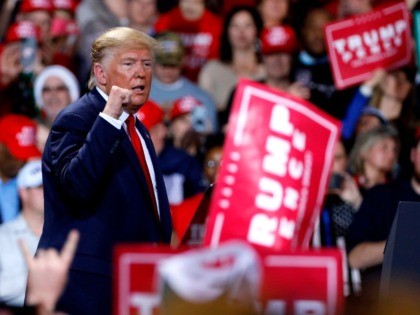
(69, 248)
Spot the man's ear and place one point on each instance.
(100, 74)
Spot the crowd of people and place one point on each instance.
(50, 56)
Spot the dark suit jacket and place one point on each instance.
(93, 182)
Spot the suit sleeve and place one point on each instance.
(80, 153)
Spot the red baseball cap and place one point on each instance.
(35, 5)
(18, 133)
(278, 39)
(183, 105)
(63, 27)
(150, 114)
(21, 30)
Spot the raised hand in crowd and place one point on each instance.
(48, 272)
(10, 65)
(349, 192)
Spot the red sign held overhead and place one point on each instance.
(276, 164)
(359, 45)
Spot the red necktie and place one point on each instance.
(135, 140)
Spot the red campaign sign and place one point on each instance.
(303, 283)
(135, 280)
(276, 163)
(359, 45)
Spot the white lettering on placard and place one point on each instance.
(272, 194)
(372, 42)
(295, 168)
(276, 161)
(262, 230)
(287, 228)
(144, 303)
(276, 165)
(280, 120)
(300, 307)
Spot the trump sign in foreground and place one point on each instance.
(226, 280)
(276, 164)
(359, 45)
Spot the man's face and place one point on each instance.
(277, 65)
(313, 32)
(142, 12)
(167, 74)
(132, 70)
(33, 198)
(42, 19)
(192, 9)
(56, 96)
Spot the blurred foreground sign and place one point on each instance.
(157, 280)
(276, 162)
(359, 45)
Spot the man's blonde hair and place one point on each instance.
(115, 39)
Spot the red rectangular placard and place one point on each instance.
(359, 45)
(276, 163)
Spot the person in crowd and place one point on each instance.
(278, 43)
(312, 69)
(274, 12)
(389, 92)
(93, 18)
(17, 145)
(199, 30)
(348, 8)
(54, 88)
(22, 38)
(40, 13)
(342, 200)
(181, 172)
(27, 226)
(373, 158)
(212, 157)
(101, 173)
(239, 55)
(370, 118)
(343, 186)
(65, 9)
(142, 15)
(64, 33)
(392, 92)
(368, 233)
(187, 124)
(168, 83)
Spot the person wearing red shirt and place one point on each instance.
(199, 29)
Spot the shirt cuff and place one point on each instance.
(115, 122)
(366, 91)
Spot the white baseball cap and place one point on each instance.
(30, 175)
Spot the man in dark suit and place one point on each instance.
(93, 177)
